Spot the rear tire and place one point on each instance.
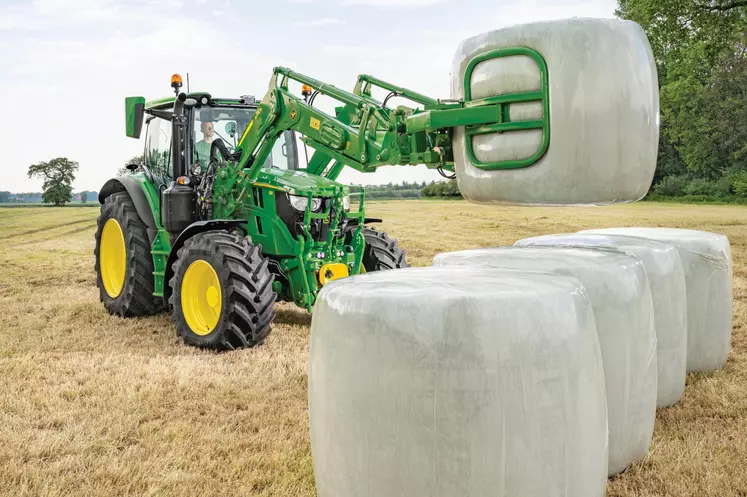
(227, 302)
(126, 282)
(382, 252)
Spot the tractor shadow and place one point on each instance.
(292, 316)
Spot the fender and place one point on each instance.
(132, 187)
(192, 230)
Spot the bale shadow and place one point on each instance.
(292, 316)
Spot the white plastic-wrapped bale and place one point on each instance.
(706, 259)
(580, 113)
(443, 382)
(620, 296)
(667, 280)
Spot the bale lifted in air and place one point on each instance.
(232, 221)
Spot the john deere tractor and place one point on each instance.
(221, 219)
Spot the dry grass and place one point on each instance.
(96, 405)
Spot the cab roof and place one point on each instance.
(166, 102)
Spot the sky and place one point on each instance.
(66, 65)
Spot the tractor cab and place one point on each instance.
(223, 121)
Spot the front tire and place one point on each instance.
(222, 292)
(124, 265)
(382, 252)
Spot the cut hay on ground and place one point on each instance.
(96, 405)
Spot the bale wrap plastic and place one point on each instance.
(620, 296)
(667, 280)
(706, 260)
(603, 113)
(438, 382)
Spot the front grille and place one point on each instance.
(294, 219)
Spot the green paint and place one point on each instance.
(501, 104)
(161, 246)
(134, 107)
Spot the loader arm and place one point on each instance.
(365, 134)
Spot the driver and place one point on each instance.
(202, 147)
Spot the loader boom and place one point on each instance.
(365, 134)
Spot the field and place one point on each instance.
(97, 405)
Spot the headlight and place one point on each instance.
(346, 202)
(300, 203)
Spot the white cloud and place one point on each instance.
(46, 14)
(324, 21)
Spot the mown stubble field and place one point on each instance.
(92, 404)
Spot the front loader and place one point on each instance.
(221, 219)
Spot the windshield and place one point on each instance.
(228, 124)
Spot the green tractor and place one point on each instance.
(221, 220)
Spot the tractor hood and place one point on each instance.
(300, 182)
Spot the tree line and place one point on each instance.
(700, 47)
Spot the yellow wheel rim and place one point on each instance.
(202, 299)
(113, 258)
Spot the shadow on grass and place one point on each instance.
(293, 316)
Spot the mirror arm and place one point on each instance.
(163, 114)
(148, 174)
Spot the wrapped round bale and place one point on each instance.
(706, 259)
(667, 280)
(621, 299)
(579, 107)
(441, 382)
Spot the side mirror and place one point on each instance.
(231, 129)
(134, 111)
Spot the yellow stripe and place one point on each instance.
(246, 132)
(271, 187)
(251, 123)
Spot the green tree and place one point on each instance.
(58, 175)
(699, 46)
(441, 189)
(83, 197)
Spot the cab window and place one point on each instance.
(158, 148)
(228, 124)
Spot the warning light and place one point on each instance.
(176, 82)
(306, 90)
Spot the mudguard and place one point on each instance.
(132, 187)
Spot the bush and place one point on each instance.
(699, 186)
(722, 187)
(739, 184)
(441, 189)
(671, 186)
